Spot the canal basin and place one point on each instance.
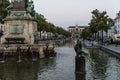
(99, 66)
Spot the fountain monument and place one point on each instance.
(20, 23)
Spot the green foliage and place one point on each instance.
(62, 31)
(41, 22)
(99, 21)
(51, 28)
(3, 5)
(86, 33)
(43, 25)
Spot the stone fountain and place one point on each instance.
(20, 32)
(20, 23)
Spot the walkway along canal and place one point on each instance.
(99, 66)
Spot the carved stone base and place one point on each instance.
(13, 29)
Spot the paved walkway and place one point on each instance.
(112, 48)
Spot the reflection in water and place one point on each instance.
(23, 70)
(80, 77)
(100, 66)
(80, 68)
(60, 67)
(113, 71)
(64, 69)
(100, 63)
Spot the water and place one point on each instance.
(102, 66)
(99, 66)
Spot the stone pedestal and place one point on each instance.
(80, 64)
(80, 68)
(20, 25)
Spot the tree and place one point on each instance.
(51, 27)
(43, 25)
(3, 11)
(41, 22)
(86, 33)
(62, 31)
(99, 22)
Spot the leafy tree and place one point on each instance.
(41, 22)
(43, 25)
(51, 27)
(62, 31)
(99, 22)
(86, 33)
(3, 5)
(68, 34)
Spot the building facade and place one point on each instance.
(117, 26)
(76, 30)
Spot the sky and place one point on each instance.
(65, 13)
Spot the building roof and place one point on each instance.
(78, 26)
(117, 16)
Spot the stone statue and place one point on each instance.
(34, 14)
(9, 8)
(21, 5)
(30, 7)
(78, 48)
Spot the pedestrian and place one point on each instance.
(111, 40)
(116, 43)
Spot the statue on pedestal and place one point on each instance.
(9, 8)
(78, 48)
(20, 22)
(20, 6)
(30, 8)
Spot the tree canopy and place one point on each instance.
(86, 33)
(100, 22)
(44, 25)
(3, 5)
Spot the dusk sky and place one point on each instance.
(67, 13)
